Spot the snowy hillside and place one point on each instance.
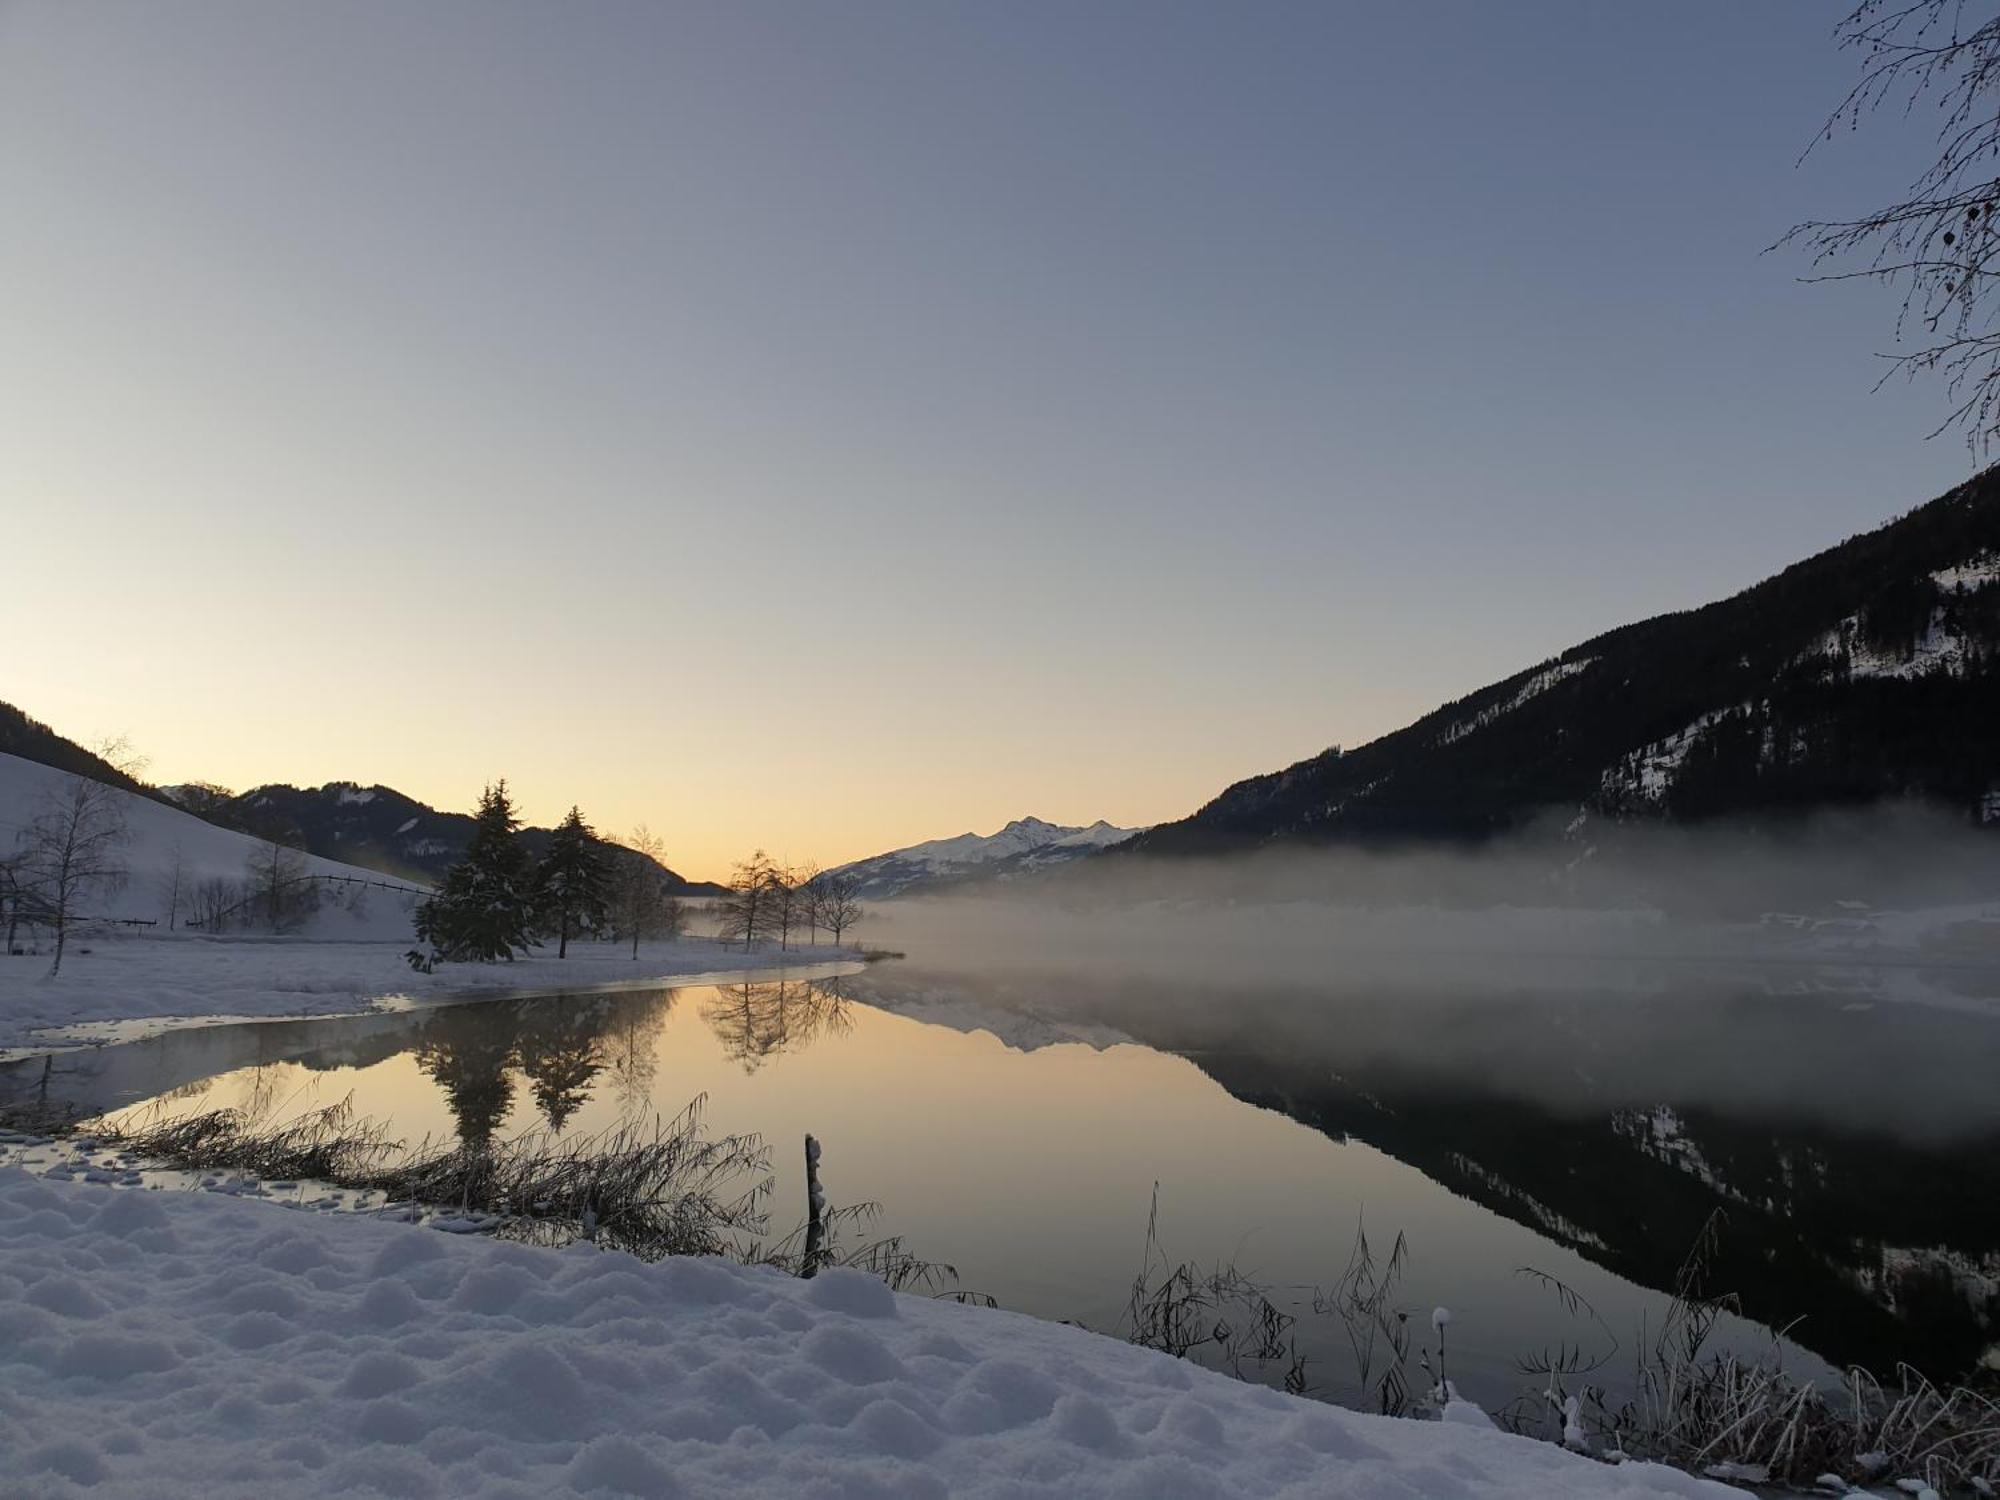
(156, 834)
(1024, 844)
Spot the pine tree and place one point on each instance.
(483, 907)
(571, 883)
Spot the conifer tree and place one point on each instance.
(483, 907)
(571, 882)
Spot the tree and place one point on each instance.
(745, 911)
(483, 908)
(173, 883)
(211, 901)
(13, 896)
(837, 902)
(71, 851)
(205, 799)
(1939, 243)
(640, 905)
(788, 903)
(278, 885)
(570, 882)
(809, 877)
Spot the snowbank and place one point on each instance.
(162, 1345)
(122, 986)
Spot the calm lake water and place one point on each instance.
(1586, 1129)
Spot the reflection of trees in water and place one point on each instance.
(466, 1054)
(559, 1044)
(631, 1047)
(559, 1050)
(756, 1021)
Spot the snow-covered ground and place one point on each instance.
(161, 1345)
(116, 985)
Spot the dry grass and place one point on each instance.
(664, 1190)
(1716, 1411)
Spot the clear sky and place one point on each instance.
(828, 426)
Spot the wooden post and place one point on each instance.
(815, 1213)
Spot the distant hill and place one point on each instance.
(379, 827)
(1026, 844)
(1868, 672)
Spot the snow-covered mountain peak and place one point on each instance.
(1025, 843)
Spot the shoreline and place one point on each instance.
(131, 989)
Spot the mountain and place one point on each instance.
(1023, 845)
(379, 827)
(1867, 672)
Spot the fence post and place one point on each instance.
(815, 1212)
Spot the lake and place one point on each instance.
(1586, 1128)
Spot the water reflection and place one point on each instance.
(758, 1021)
(1588, 1133)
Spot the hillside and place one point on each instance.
(158, 834)
(1868, 672)
(381, 828)
(377, 827)
(1026, 844)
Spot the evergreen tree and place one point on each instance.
(483, 907)
(571, 884)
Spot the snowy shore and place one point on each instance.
(120, 987)
(158, 1344)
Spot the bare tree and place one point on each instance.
(808, 877)
(172, 881)
(71, 851)
(203, 798)
(788, 903)
(839, 902)
(13, 896)
(211, 901)
(1939, 242)
(278, 885)
(640, 905)
(745, 910)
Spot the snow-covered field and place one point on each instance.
(160, 1345)
(119, 986)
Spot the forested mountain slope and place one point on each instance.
(1870, 671)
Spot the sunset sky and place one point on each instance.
(825, 427)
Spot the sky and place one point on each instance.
(821, 428)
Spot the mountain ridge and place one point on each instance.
(1867, 671)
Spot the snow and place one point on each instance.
(1939, 649)
(1973, 573)
(1028, 841)
(168, 1345)
(120, 986)
(355, 796)
(1647, 773)
(1538, 682)
(156, 832)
